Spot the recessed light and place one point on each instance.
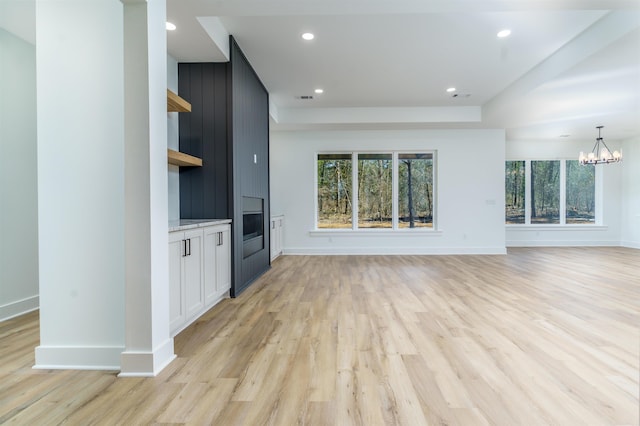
(504, 33)
(170, 26)
(319, 91)
(451, 89)
(308, 36)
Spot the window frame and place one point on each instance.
(597, 208)
(356, 196)
(598, 217)
(560, 194)
(396, 183)
(395, 192)
(315, 191)
(525, 193)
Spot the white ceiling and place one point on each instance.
(567, 67)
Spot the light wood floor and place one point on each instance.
(537, 337)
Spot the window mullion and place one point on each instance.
(527, 192)
(355, 185)
(563, 192)
(394, 192)
(316, 193)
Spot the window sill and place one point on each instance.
(557, 227)
(374, 232)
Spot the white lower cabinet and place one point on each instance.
(199, 272)
(192, 273)
(217, 265)
(277, 224)
(177, 315)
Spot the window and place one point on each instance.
(514, 192)
(394, 190)
(581, 194)
(545, 192)
(375, 191)
(415, 192)
(334, 191)
(549, 192)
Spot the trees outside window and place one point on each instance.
(545, 192)
(393, 190)
(415, 190)
(334, 190)
(550, 192)
(375, 191)
(514, 192)
(581, 194)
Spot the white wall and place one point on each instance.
(608, 183)
(630, 236)
(80, 94)
(18, 177)
(470, 191)
(173, 142)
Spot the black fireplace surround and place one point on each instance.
(252, 225)
(228, 128)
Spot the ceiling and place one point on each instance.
(567, 67)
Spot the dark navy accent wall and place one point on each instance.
(204, 191)
(250, 134)
(228, 127)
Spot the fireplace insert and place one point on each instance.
(252, 225)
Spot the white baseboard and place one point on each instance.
(561, 243)
(19, 307)
(630, 244)
(147, 364)
(130, 364)
(78, 357)
(384, 251)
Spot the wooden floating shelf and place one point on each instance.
(181, 159)
(176, 104)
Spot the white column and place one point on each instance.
(149, 347)
(80, 150)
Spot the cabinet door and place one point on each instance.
(210, 266)
(223, 262)
(192, 273)
(272, 238)
(176, 295)
(276, 236)
(279, 237)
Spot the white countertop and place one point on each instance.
(182, 224)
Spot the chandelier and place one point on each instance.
(600, 154)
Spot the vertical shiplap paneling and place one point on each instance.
(250, 136)
(203, 133)
(214, 146)
(189, 87)
(228, 124)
